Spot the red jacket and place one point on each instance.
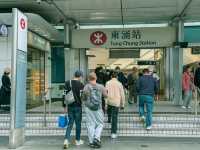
(186, 82)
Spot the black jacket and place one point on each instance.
(197, 77)
(5, 90)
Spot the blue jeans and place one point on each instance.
(187, 98)
(74, 115)
(148, 101)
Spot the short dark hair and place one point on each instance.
(117, 68)
(114, 74)
(78, 74)
(146, 70)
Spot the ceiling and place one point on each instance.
(98, 12)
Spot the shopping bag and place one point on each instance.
(63, 120)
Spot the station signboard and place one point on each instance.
(124, 53)
(152, 37)
(18, 79)
(146, 62)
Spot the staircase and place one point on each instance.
(164, 125)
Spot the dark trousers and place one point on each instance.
(74, 115)
(113, 117)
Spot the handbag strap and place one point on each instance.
(70, 84)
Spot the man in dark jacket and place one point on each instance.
(75, 109)
(121, 77)
(147, 87)
(197, 80)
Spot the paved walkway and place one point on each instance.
(49, 143)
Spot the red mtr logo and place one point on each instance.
(22, 23)
(98, 38)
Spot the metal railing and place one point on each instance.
(197, 93)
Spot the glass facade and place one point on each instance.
(35, 77)
(58, 65)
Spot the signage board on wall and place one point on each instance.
(146, 62)
(3, 30)
(22, 28)
(19, 69)
(124, 38)
(125, 53)
(195, 50)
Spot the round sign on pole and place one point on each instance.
(98, 38)
(22, 23)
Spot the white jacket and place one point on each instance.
(116, 96)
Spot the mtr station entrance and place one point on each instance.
(123, 48)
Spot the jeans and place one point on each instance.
(113, 117)
(74, 115)
(187, 98)
(148, 101)
(94, 123)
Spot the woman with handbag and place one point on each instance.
(5, 90)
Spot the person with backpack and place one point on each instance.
(115, 100)
(92, 95)
(73, 103)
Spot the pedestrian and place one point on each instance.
(5, 90)
(131, 81)
(121, 77)
(197, 80)
(187, 86)
(101, 80)
(74, 110)
(147, 88)
(115, 101)
(92, 95)
(156, 76)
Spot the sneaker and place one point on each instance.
(113, 136)
(78, 143)
(91, 145)
(66, 144)
(189, 107)
(183, 107)
(97, 143)
(149, 127)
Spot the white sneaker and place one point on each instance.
(66, 144)
(78, 143)
(189, 107)
(113, 136)
(183, 107)
(149, 127)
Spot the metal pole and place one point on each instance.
(13, 80)
(45, 110)
(196, 109)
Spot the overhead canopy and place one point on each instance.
(108, 11)
(36, 24)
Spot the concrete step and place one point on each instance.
(164, 125)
